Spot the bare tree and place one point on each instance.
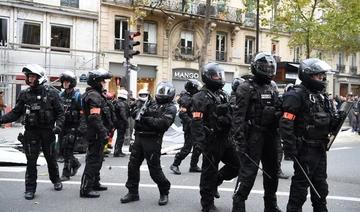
(203, 55)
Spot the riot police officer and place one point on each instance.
(210, 126)
(71, 99)
(99, 125)
(41, 107)
(152, 119)
(255, 133)
(122, 112)
(192, 86)
(234, 85)
(304, 128)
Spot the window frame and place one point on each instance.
(7, 31)
(150, 47)
(220, 44)
(277, 47)
(21, 34)
(186, 50)
(70, 41)
(121, 37)
(248, 57)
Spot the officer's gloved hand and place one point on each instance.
(56, 130)
(199, 146)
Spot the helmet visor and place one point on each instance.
(163, 90)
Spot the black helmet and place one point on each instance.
(310, 67)
(165, 92)
(192, 86)
(213, 76)
(68, 76)
(236, 82)
(96, 76)
(264, 66)
(37, 70)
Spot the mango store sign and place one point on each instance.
(185, 75)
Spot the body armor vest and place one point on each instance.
(72, 107)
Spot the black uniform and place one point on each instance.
(41, 107)
(185, 115)
(70, 133)
(211, 133)
(122, 112)
(304, 128)
(149, 131)
(255, 134)
(255, 126)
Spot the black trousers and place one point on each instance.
(68, 139)
(314, 162)
(34, 140)
(217, 149)
(262, 146)
(94, 160)
(146, 147)
(186, 149)
(119, 139)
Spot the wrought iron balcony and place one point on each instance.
(196, 7)
(340, 67)
(221, 56)
(353, 69)
(150, 48)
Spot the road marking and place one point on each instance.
(340, 148)
(12, 169)
(183, 187)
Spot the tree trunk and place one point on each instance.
(203, 54)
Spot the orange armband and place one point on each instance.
(95, 110)
(289, 116)
(197, 115)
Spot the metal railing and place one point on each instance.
(353, 69)
(221, 56)
(340, 67)
(119, 44)
(150, 48)
(196, 7)
(186, 50)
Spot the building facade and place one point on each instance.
(59, 35)
(172, 36)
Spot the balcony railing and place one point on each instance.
(248, 59)
(186, 50)
(353, 69)
(340, 68)
(195, 7)
(119, 44)
(221, 56)
(150, 48)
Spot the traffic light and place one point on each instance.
(130, 43)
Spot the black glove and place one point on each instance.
(56, 130)
(199, 146)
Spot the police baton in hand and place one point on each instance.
(244, 153)
(307, 177)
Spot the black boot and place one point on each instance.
(75, 168)
(99, 187)
(130, 197)
(58, 186)
(89, 194)
(217, 194)
(238, 205)
(195, 169)
(209, 208)
(29, 195)
(270, 204)
(164, 198)
(175, 169)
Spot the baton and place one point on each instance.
(307, 177)
(257, 165)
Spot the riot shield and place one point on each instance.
(343, 113)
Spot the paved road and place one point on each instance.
(343, 178)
